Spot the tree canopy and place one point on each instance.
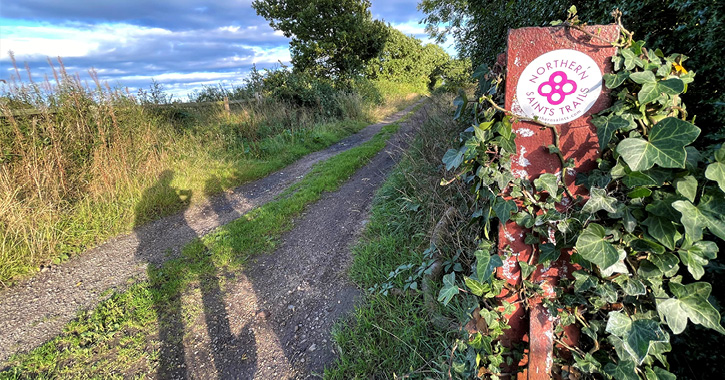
(330, 38)
(406, 59)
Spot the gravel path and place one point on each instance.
(37, 309)
(277, 314)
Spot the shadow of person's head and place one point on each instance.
(213, 186)
(161, 199)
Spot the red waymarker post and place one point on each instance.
(555, 75)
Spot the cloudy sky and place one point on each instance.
(183, 44)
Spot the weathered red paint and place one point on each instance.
(578, 141)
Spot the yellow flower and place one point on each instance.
(679, 68)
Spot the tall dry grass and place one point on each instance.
(65, 143)
(76, 158)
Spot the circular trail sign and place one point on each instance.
(559, 86)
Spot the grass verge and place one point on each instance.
(391, 335)
(120, 338)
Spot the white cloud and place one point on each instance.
(33, 42)
(410, 27)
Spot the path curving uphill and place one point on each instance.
(36, 310)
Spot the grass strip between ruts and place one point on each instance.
(117, 338)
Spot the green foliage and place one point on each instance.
(121, 333)
(479, 28)
(652, 223)
(405, 59)
(330, 38)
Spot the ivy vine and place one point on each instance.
(652, 222)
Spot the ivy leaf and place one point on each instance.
(618, 267)
(599, 200)
(606, 126)
(695, 221)
(618, 345)
(480, 131)
(640, 192)
(631, 59)
(624, 370)
(586, 364)
(637, 335)
(691, 303)
(633, 287)
(618, 323)
(687, 187)
(661, 229)
(648, 93)
(526, 269)
(504, 208)
(548, 253)
(547, 182)
(453, 158)
(615, 80)
(643, 77)
(658, 373)
(652, 177)
(629, 221)
(667, 263)
(646, 245)
(652, 89)
(672, 86)
(694, 263)
(716, 172)
(593, 247)
(642, 334)
(707, 249)
(486, 263)
(461, 101)
(584, 281)
(449, 288)
(666, 145)
(698, 256)
(663, 208)
(507, 143)
(476, 287)
(720, 154)
(693, 158)
(617, 60)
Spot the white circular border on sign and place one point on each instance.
(559, 86)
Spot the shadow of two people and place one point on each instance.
(168, 280)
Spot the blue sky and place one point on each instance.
(183, 44)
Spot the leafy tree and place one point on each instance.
(405, 59)
(330, 38)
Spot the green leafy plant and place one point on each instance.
(652, 221)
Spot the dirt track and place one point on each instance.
(276, 315)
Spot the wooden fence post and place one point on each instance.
(553, 74)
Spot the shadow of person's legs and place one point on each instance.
(227, 348)
(161, 199)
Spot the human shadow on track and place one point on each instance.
(168, 286)
(228, 349)
(165, 287)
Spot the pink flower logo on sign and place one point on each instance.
(557, 88)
